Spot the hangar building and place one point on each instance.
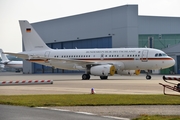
(110, 28)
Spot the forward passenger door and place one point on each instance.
(144, 57)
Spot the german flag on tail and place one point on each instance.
(28, 29)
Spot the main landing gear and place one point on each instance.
(104, 77)
(87, 77)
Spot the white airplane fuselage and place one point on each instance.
(15, 64)
(126, 58)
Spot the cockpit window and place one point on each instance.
(160, 54)
(163, 54)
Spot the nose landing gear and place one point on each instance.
(148, 77)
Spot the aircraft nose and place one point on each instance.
(168, 63)
(172, 62)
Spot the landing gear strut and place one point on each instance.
(148, 77)
(86, 77)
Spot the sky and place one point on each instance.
(40, 10)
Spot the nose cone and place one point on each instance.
(171, 62)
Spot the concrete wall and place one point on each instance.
(27, 67)
(120, 22)
(125, 26)
(158, 25)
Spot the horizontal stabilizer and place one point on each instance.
(3, 57)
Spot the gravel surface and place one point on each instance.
(132, 111)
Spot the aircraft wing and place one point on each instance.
(5, 62)
(26, 56)
(19, 55)
(82, 63)
(77, 62)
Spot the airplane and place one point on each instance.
(99, 62)
(6, 63)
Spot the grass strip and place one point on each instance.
(88, 100)
(158, 117)
(94, 100)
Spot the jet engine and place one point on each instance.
(129, 72)
(102, 70)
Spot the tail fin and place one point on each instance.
(3, 56)
(32, 41)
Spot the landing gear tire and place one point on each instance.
(86, 77)
(148, 77)
(104, 77)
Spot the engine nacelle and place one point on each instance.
(102, 70)
(129, 72)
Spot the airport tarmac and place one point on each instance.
(72, 84)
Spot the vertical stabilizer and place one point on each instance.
(3, 56)
(32, 41)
